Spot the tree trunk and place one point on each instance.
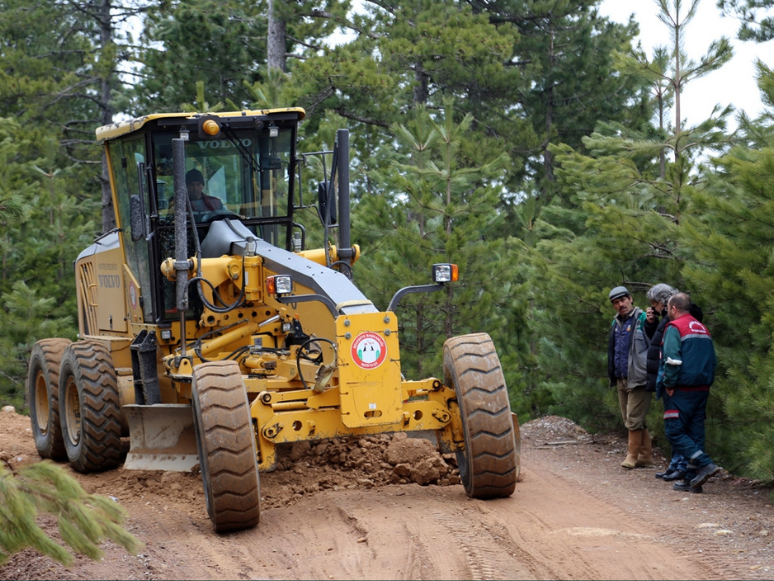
(106, 93)
(449, 322)
(662, 154)
(420, 314)
(421, 91)
(277, 40)
(548, 162)
(677, 85)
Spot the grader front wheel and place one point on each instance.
(43, 392)
(489, 465)
(226, 445)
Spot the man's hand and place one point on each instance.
(651, 315)
(670, 391)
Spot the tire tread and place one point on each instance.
(472, 367)
(227, 446)
(99, 448)
(48, 353)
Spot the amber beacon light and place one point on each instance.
(211, 127)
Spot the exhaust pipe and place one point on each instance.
(181, 233)
(345, 242)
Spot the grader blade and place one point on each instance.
(161, 437)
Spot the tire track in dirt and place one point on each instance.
(485, 553)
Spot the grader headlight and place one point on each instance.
(279, 285)
(445, 272)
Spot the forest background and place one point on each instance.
(528, 141)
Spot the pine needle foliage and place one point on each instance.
(436, 206)
(731, 241)
(200, 105)
(618, 218)
(84, 520)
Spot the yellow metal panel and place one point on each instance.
(124, 127)
(369, 370)
(111, 315)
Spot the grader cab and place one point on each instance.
(209, 333)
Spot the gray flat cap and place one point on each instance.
(618, 292)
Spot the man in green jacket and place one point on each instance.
(688, 365)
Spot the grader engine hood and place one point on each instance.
(231, 237)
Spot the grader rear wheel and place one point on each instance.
(489, 465)
(226, 444)
(90, 408)
(43, 392)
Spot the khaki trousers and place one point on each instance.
(634, 404)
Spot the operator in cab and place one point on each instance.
(200, 202)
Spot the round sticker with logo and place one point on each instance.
(369, 350)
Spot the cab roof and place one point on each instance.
(120, 128)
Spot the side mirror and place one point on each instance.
(326, 204)
(137, 217)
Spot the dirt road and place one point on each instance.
(576, 514)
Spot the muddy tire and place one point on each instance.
(43, 393)
(226, 443)
(90, 408)
(489, 465)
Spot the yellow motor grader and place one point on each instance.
(209, 333)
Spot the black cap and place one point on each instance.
(194, 175)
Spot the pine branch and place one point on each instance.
(84, 520)
(319, 98)
(302, 43)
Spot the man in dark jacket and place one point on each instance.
(658, 296)
(688, 370)
(626, 359)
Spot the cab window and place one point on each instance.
(245, 175)
(126, 159)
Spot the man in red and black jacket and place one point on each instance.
(688, 363)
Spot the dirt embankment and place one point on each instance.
(384, 507)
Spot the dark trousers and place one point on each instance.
(684, 416)
(678, 462)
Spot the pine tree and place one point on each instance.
(220, 44)
(731, 238)
(623, 202)
(435, 208)
(43, 229)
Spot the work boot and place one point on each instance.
(685, 486)
(670, 474)
(635, 441)
(704, 474)
(645, 455)
(674, 475)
